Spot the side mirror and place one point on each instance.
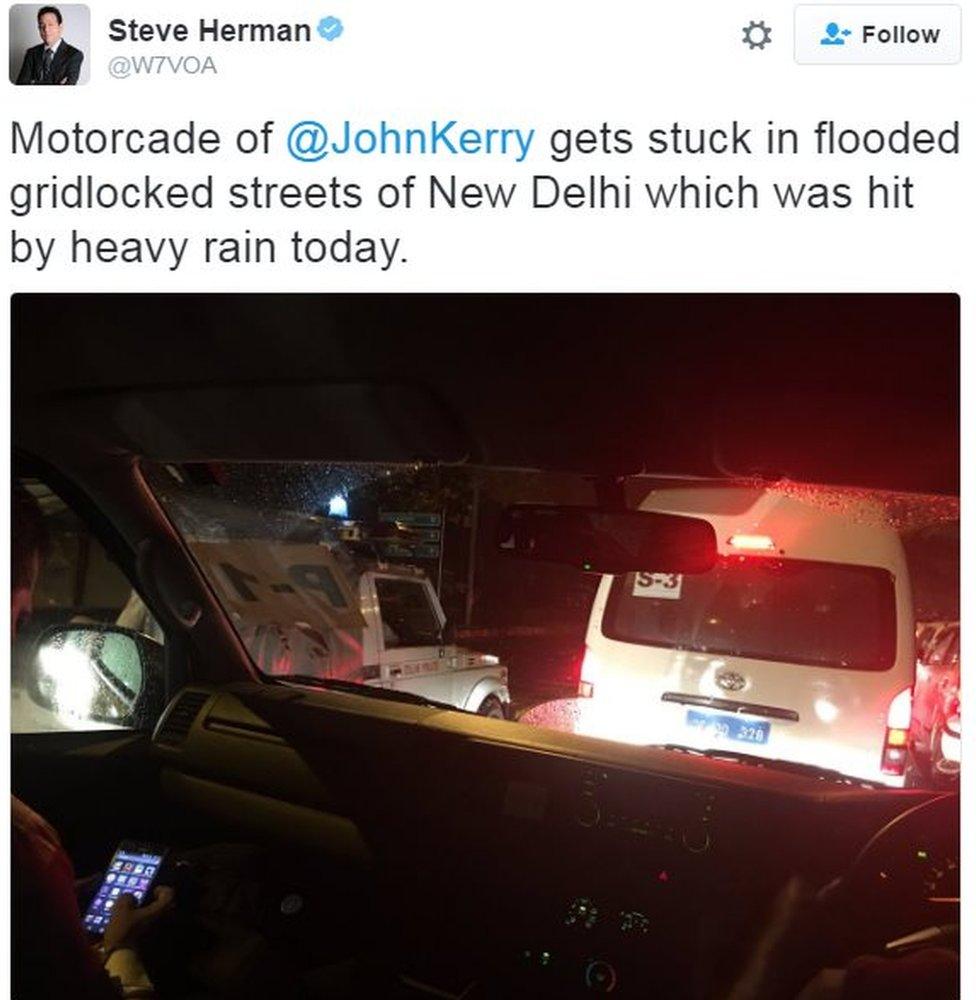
(601, 541)
(99, 673)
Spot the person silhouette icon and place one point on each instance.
(833, 34)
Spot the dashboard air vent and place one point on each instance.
(180, 718)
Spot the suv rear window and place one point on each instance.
(785, 610)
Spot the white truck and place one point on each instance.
(404, 646)
(303, 609)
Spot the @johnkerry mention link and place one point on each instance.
(311, 141)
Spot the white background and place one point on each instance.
(541, 65)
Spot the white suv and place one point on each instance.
(799, 644)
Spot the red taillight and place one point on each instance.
(894, 757)
(893, 760)
(588, 672)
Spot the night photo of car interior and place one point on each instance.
(486, 646)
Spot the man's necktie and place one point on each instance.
(48, 59)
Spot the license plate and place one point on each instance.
(728, 727)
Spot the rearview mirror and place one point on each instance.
(600, 541)
(95, 673)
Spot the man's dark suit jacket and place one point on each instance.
(64, 69)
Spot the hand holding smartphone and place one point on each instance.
(133, 871)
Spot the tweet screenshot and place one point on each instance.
(483, 498)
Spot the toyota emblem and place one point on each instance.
(729, 680)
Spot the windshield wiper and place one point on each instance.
(775, 763)
(366, 690)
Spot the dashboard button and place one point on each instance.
(601, 977)
(291, 904)
(696, 839)
(587, 812)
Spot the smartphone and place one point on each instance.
(133, 871)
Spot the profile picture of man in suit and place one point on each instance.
(54, 61)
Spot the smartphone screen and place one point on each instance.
(132, 871)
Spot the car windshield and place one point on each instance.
(797, 646)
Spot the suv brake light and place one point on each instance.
(894, 756)
(588, 672)
(752, 543)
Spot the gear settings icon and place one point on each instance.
(757, 35)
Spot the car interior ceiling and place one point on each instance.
(448, 847)
(683, 385)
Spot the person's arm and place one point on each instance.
(125, 968)
(52, 956)
(50, 952)
(932, 973)
(73, 69)
(129, 922)
(783, 950)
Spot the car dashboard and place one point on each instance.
(509, 861)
